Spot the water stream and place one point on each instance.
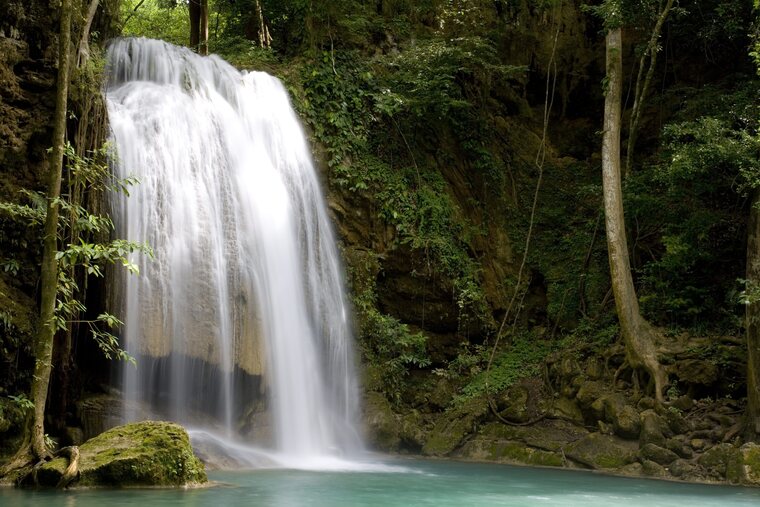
(409, 483)
(243, 301)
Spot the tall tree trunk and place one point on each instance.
(43, 347)
(752, 415)
(638, 334)
(194, 10)
(203, 29)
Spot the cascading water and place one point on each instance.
(246, 282)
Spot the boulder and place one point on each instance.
(381, 425)
(746, 468)
(685, 470)
(719, 459)
(506, 451)
(653, 469)
(147, 453)
(602, 451)
(658, 454)
(453, 426)
(653, 428)
(589, 392)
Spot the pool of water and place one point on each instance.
(405, 483)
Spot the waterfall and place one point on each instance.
(245, 293)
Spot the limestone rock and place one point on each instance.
(147, 453)
(697, 371)
(653, 428)
(653, 469)
(453, 426)
(589, 392)
(380, 422)
(658, 454)
(602, 451)
(685, 470)
(507, 451)
(746, 470)
(719, 458)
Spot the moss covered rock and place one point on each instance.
(382, 425)
(147, 453)
(505, 451)
(454, 426)
(602, 451)
(745, 467)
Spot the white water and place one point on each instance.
(246, 281)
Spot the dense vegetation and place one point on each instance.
(461, 141)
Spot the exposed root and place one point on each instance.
(72, 471)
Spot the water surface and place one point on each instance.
(407, 483)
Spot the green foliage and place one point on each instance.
(523, 358)
(156, 19)
(86, 251)
(387, 345)
(22, 402)
(707, 162)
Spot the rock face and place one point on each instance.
(148, 453)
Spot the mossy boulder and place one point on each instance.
(602, 451)
(613, 409)
(654, 428)
(506, 451)
(721, 459)
(745, 467)
(453, 426)
(382, 425)
(148, 453)
(658, 454)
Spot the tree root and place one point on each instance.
(72, 471)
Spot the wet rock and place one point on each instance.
(658, 454)
(676, 421)
(382, 428)
(683, 403)
(452, 427)
(412, 433)
(568, 408)
(696, 371)
(589, 392)
(550, 435)
(679, 448)
(506, 451)
(698, 444)
(718, 458)
(147, 453)
(602, 451)
(747, 469)
(612, 408)
(684, 469)
(631, 470)
(653, 469)
(653, 428)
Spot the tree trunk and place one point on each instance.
(265, 40)
(203, 29)
(43, 347)
(194, 9)
(83, 53)
(638, 334)
(752, 415)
